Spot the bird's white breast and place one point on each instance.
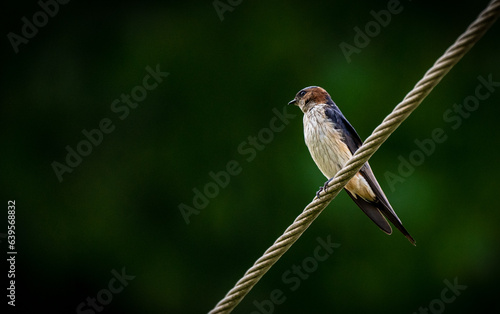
(325, 143)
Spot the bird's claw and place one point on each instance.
(324, 187)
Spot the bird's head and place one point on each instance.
(311, 96)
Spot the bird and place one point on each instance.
(332, 140)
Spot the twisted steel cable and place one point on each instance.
(411, 101)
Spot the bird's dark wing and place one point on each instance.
(372, 212)
(381, 205)
(351, 137)
(353, 142)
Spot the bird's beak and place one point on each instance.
(293, 102)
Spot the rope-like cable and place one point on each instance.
(431, 78)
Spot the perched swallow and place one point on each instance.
(332, 141)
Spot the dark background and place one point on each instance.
(119, 208)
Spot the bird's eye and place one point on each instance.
(302, 93)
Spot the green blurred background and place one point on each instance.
(120, 206)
